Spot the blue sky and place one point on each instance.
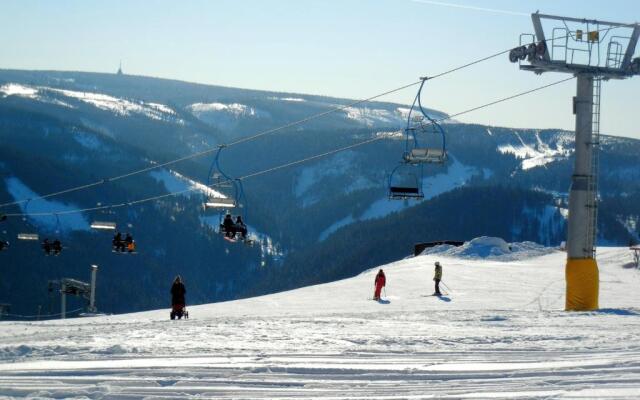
(344, 48)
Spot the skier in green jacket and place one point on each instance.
(437, 277)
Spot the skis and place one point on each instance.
(248, 242)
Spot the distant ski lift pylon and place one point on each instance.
(425, 141)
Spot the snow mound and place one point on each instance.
(487, 247)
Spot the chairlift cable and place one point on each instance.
(282, 166)
(42, 316)
(276, 129)
(211, 150)
(258, 135)
(506, 99)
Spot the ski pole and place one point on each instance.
(445, 285)
(385, 291)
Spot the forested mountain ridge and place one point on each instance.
(63, 129)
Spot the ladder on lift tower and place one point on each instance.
(595, 161)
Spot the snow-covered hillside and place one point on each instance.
(499, 332)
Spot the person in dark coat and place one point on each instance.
(118, 244)
(46, 246)
(228, 226)
(241, 227)
(178, 302)
(379, 283)
(3, 244)
(178, 291)
(57, 247)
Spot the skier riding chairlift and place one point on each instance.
(228, 227)
(46, 246)
(56, 247)
(130, 243)
(240, 227)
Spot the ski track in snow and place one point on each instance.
(500, 333)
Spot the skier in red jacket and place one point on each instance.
(379, 283)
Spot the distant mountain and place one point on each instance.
(315, 221)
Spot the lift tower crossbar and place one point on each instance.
(592, 51)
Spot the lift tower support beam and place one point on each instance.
(592, 51)
(581, 269)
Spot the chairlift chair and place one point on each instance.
(425, 141)
(103, 225)
(28, 236)
(219, 202)
(53, 247)
(4, 244)
(405, 183)
(219, 179)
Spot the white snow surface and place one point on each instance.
(176, 182)
(486, 247)
(48, 223)
(394, 118)
(224, 115)
(537, 154)
(500, 332)
(14, 89)
(292, 99)
(102, 101)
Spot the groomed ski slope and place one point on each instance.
(501, 333)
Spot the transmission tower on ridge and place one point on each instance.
(593, 51)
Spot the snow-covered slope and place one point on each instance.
(500, 332)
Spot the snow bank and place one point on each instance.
(493, 248)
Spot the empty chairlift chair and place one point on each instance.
(405, 182)
(425, 141)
